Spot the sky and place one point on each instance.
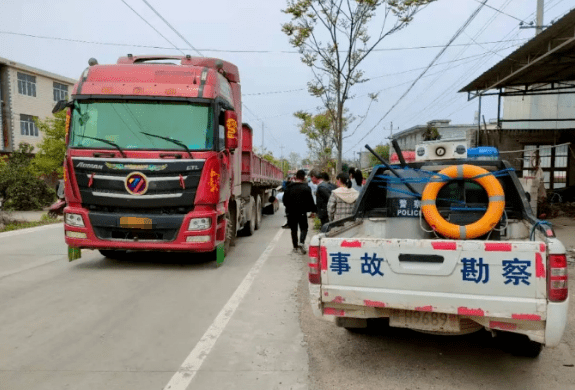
(274, 80)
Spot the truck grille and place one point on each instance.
(168, 184)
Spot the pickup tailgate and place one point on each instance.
(472, 278)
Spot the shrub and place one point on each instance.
(19, 187)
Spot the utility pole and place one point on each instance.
(539, 22)
(391, 130)
(262, 138)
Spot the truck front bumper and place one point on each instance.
(144, 232)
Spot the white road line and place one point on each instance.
(187, 371)
(29, 230)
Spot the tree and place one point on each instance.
(320, 137)
(19, 186)
(431, 133)
(52, 149)
(294, 160)
(332, 37)
(383, 151)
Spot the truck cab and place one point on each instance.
(154, 157)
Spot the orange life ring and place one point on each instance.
(476, 229)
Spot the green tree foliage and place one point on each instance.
(431, 133)
(332, 37)
(19, 186)
(383, 151)
(52, 149)
(320, 136)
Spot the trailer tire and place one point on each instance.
(258, 215)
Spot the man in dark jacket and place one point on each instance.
(323, 193)
(298, 202)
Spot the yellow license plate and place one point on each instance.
(136, 222)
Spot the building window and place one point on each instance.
(552, 161)
(60, 92)
(26, 84)
(28, 126)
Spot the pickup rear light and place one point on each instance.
(557, 287)
(314, 274)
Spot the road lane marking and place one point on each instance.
(191, 365)
(30, 230)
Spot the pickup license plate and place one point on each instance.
(136, 222)
(440, 322)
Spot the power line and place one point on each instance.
(458, 32)
(501, 12)
(149, 24)
(214, 50)
(172, 28)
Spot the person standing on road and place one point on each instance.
(342, 199)
(324, 189)
(356, 178)
(298, 202)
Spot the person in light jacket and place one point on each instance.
(342, 199)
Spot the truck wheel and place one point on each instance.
(113, 254)
(520, 345)
(230, 233)
(258, 216)
(250, 226)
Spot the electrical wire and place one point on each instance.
(172, 28)
(209, 49)
(149, 24)
(501, 12)
(457, 33)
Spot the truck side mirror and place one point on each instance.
(60, 105)
(231, 126)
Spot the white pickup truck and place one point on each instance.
(444, 253)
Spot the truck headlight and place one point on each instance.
(74, 220)
(200, 223)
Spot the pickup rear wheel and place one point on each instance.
(521, 345)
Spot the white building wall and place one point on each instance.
(39, 106)
(539, 107)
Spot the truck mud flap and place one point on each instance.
(74, 253)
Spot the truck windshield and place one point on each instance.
(123, 122)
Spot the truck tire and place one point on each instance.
(250, 226)
(258, 216)
(230, 232)
(113, 254)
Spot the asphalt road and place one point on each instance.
(152, 321)
(163, 321)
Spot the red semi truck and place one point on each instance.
(156, 159)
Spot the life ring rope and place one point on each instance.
(481, 176)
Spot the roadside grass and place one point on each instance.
(10, 225)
